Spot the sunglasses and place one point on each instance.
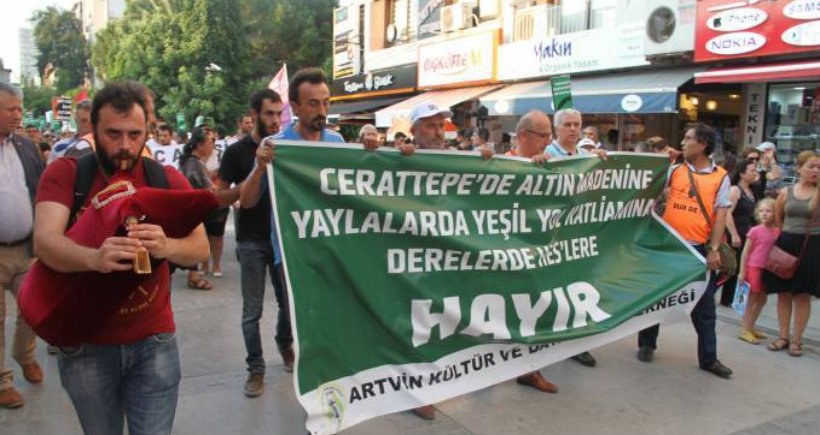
(539, 134)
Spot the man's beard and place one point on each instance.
(110, 165)
(264, 130)
(317, 123)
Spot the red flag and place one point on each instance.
(82, 96)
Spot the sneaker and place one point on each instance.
(32, 372)
(10, 398)
(645, 354)
(426, 412)
(586, 359)
(537, 381)
(748, 337)
(287, 358)
(718, 369)
(255, 385)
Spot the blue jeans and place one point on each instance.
(255, 259)
(703, 317)
(137, 382)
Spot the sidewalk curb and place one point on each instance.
(771, 331)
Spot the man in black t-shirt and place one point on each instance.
(254, 249)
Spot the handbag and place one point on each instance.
(728, 259)
(784, 264)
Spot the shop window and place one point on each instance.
(793, 120)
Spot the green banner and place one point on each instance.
(401, 270)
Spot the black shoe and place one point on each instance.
(586, 359)
(645, 354)
(718, 369)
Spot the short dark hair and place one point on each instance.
(311, 75)
(259, 97)
(399, 135)
(121, 96)
(705, 134)
(244, 115)
(83, 106)
(165, 127)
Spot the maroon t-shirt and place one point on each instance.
(147, 310)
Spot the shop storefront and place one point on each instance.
(771, 48)
(355, 99)
(454, 73)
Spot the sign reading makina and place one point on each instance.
(462, 272)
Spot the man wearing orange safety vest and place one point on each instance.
(684, 214)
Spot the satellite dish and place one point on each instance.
(392, 33)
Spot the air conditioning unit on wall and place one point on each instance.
(670, 27)
(456, 17)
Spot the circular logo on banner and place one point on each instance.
(631, 102)
(333, 402)
(501, 106)
(803, 35)
(737, 19)
(802, 10)
(735, 43)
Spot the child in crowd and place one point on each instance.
(759, 242)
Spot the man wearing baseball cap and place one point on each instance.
(427, 125)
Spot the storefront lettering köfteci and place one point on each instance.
(590, 50)
(398, 80)
(470, 59)
(728, 29)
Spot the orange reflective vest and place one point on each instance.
(682, 210)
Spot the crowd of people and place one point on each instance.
(127, 369)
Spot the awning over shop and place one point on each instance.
(761, 73)
(448, 98)
(352, 107)
(635, 92)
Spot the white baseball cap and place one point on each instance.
(765, 146)
(586, 142)
(426, 110)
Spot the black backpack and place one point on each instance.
(87, 168)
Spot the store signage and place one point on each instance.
(728, 29)
(737, 19)
(399, 79)
(631, 103)
(462, 60)
(346, 47)
(804, 35)
(590, 50)
(753, 116)
(735, 43)
(803, 9)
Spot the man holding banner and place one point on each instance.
(695, 185)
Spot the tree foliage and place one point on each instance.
(59, 37)
(172, 46)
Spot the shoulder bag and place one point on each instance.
(783, 264)
(728, 260)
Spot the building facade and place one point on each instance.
(29, 74)
(632, 63)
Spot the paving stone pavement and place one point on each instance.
(770, 393)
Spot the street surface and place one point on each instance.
(770, 393)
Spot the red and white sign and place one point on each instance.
(466, 60)
(728, 29)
